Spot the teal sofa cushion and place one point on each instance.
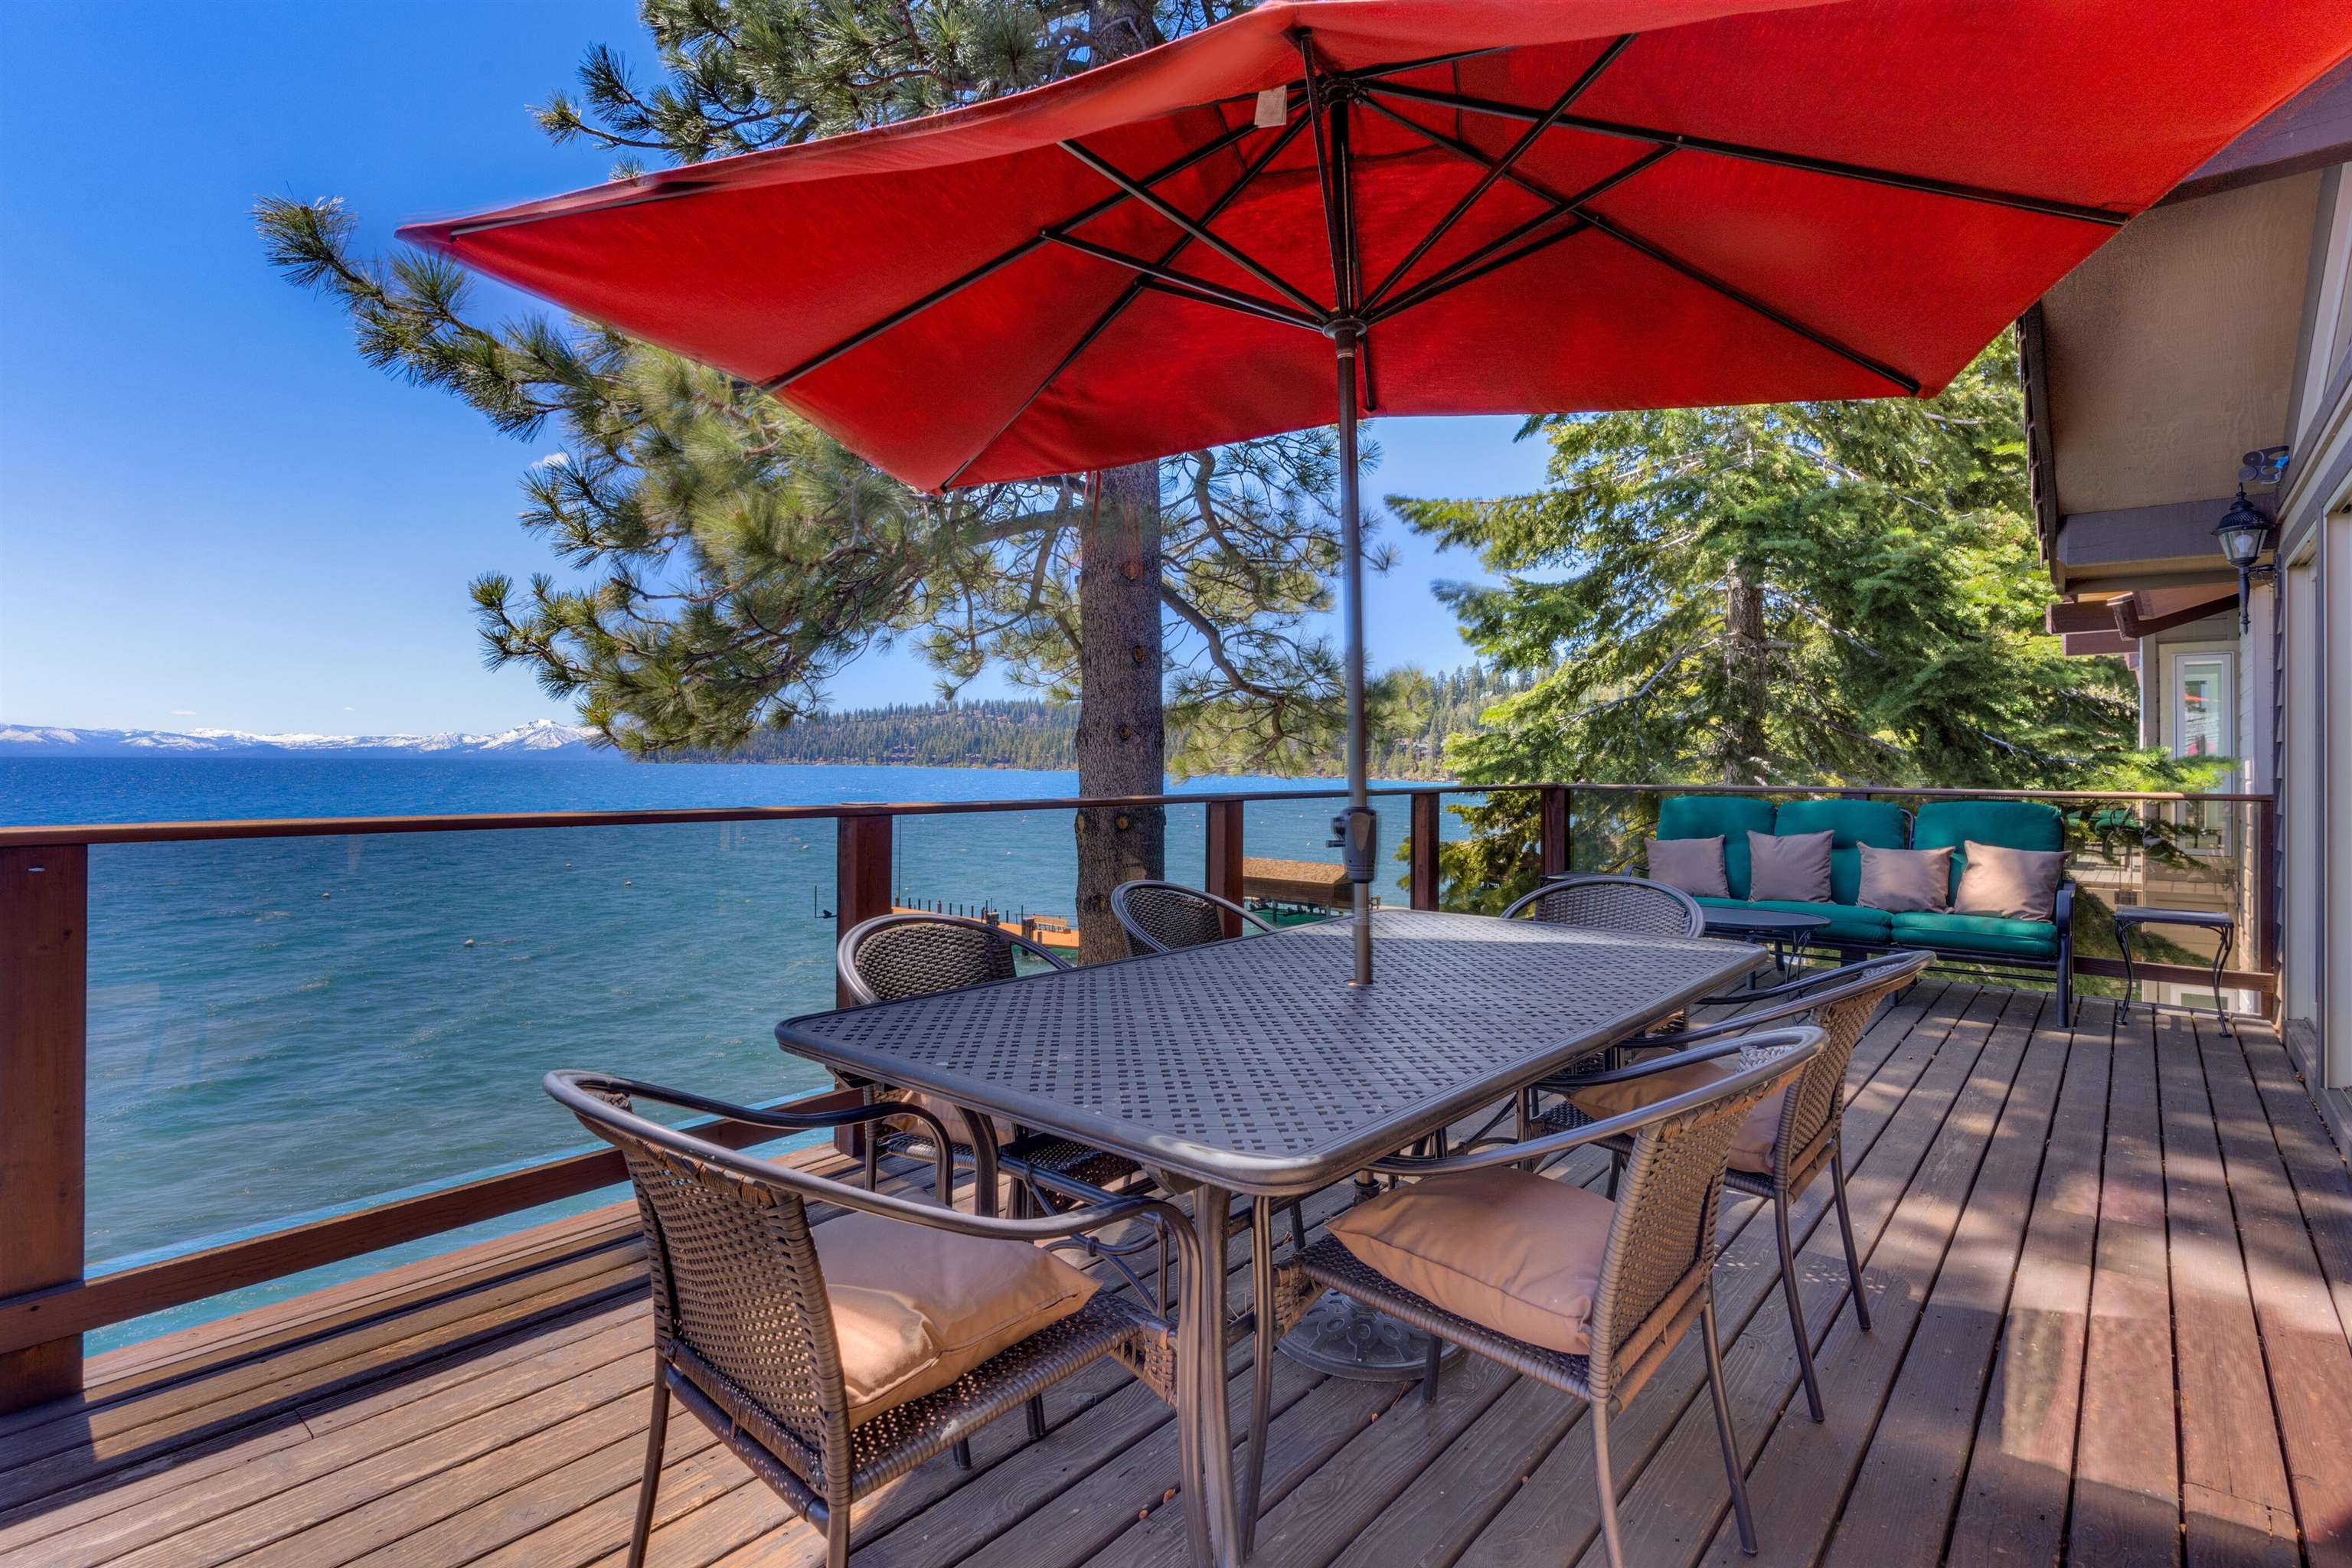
(1979, 933)
(1730, 817)
(2012, 823)
(1850, 823)
(1848, 922)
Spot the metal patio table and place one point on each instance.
(1250, 1066)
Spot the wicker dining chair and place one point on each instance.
(1629, 1276)
(749, 1336)
(1613, 903)
(1782, 1147)
(892, 957)
(1161, 917)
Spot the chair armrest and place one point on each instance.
(1568, 1082)
(1790, 1047)
(2061, 912)
(1728, 1030)
(598, 1099)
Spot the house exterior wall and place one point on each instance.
(2315, 556)
(2224, 325)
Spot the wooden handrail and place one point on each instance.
(39, 835)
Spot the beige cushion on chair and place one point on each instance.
(1518, 1253)
(914, 1309)
(1751, 1150)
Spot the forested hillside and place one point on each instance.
(1032, 734)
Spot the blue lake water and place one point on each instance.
(283, 1028)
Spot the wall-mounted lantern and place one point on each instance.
(2244, 530)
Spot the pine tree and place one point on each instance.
(1796, 594)
(736, 558)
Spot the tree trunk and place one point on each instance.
(1121, 746)
(1747, 687)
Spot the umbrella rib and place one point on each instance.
(1739, 296)
(2046, 206)
(1305, 42)
(1190, 225)
(1496, 171)
(1370, 73)
(1588, 218)
(1127, 297)
(1458, 271)
(1215, 293)
(863, 335)
(1423, 293)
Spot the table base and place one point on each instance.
(1343, 1338)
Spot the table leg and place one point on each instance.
(1202, 1328)
(2222, 962)
(1260, 1366)
(2123, 943)
(984, 1163)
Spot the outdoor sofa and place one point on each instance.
(2038, 946)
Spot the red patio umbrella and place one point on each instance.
(1480, 205)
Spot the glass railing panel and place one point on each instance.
(1020, 869)
(282, 1029)
(1290, 864)
(2201, 856)
(1468, 824)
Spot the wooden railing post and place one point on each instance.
(1555, 829)
(1222, 859)
(861, 877)
(861, 889)
(44, 1077)
(1426, 815)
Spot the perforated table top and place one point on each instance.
(1252, 1064)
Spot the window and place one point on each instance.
(2200, 683)
(2204, 684)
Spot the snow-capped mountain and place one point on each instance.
(540, 738)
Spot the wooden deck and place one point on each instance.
(2111, 1270)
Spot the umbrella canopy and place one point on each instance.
(1480, 205)
(1731, 201)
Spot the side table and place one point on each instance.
(2130, 916)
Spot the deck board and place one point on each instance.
(2038, 1205)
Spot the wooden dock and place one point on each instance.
(2111, 1270)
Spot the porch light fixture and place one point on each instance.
(2244, 530)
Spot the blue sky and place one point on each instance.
(211, 512)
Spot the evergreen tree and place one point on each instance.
(734, 557)
(1796, 594)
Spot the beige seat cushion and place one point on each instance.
(1751, 1151)
(914, 1309)
(1520, 1254)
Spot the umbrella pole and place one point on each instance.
(1360, 836)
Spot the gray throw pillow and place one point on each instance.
(1914, 881)
(2015, 884)
(1794, 867)
(1694, 865)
